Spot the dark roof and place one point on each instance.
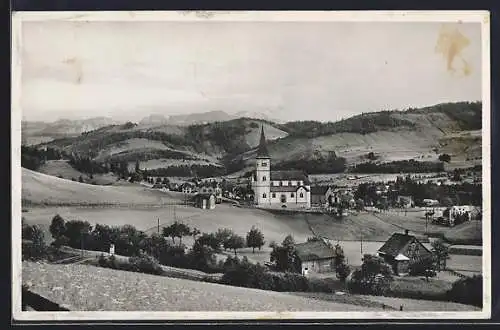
(314, 250)
(319, 190)
(396, 243)
(262, 151)
(289, 175)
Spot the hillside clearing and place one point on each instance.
(88, 288)
(62, 169)
(38, 188)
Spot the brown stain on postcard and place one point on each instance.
(451, 42)
(76, 66)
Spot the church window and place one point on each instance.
(289, 183)
(292, 195)
(274, 195)
(264, 195)
(264, 178)
(301, 195)
(264, 163)
(281, 183)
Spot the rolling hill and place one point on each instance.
(418, 134)
(42, 189)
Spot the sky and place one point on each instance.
(287, 70)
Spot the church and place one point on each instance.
(282, 189)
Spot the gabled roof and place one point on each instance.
(262, 151)
(289, 175)
(314, 250)
(395, 244)
(319, 190)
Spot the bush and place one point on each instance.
(145, 264)
(374, 277)
(467, 291)
(33, 245)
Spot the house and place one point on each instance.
(187, 187)
(290, 189)
(205, 201)
(340, 195)
(315, 256)
(212, 188)
(405, 201)
(402, 251)
(430, 202)
(318, 195)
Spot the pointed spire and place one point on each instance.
(262, 150)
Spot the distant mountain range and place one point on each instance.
(199, 118)
(158, 141)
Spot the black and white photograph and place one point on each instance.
(250, 165)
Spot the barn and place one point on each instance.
(315, 256)
(204, 201)
(403, 251)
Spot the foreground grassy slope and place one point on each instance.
(88, 288)
(38, 188)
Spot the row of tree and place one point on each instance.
(399, 166)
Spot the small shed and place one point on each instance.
(401, 251)
(315, 256)
(205, 201)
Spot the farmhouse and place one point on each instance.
(188, 187)
(290, 189)
(318, 195)
(212, 188)
(405, 201)
(315, 256)
(204, 201)
(403, 251)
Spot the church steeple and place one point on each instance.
(262, 149)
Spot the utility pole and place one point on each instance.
(158, 225)
(361, 242)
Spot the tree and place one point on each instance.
(341, 268)
(137, 166)
(234, 242)
(57, 227)
(441, 254)
(80, 179)
(456, 175)
(195, 232)
(177, 229)
(284, 256)
(223, 235)
(209, 240)
(255, 239)
(374, 277)
(36, 248)
(444, 158)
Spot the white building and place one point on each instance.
(290, 189)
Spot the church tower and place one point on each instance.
(262, 179)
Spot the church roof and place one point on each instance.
(262, 151)
(289, 175)
(286, 188)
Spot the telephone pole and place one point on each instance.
(158, 225)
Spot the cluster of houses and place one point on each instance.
(401, 251)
